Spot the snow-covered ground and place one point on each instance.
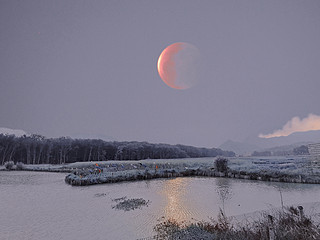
(291, 165)
(300, 165)
(288, 165)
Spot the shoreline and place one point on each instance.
(265, 169)
(119, 171)
(84, 179)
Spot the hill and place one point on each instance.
(255, 143)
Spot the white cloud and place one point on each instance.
(312, 122)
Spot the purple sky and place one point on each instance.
(89, 68)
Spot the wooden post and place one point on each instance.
(301, 212)
(271, 228)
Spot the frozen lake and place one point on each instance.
(39, 205)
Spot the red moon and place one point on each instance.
(178, 65)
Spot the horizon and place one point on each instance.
(293, 139)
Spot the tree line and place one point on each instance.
(36, 149)
(301, 150)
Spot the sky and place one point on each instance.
(89, 68)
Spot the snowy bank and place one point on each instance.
(295, 170)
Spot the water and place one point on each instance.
(37, 205)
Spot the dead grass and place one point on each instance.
(288, 224)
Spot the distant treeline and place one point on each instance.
(302, 150)
(36, 149)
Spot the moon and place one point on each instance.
(178, 65)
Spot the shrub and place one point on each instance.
(9, 165)
(20, 165)
(221, 164)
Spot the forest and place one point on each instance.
(37, 149)
(285, 151)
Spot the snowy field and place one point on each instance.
(287, 165)
(300, 165)
(288, 169)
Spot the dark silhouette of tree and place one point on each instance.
(221, 164)
(302, 150)
(36, 149)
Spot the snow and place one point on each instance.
(9, 131)
(300, 165)
(295, 166)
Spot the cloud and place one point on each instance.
(312, 122)
(16, 132)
